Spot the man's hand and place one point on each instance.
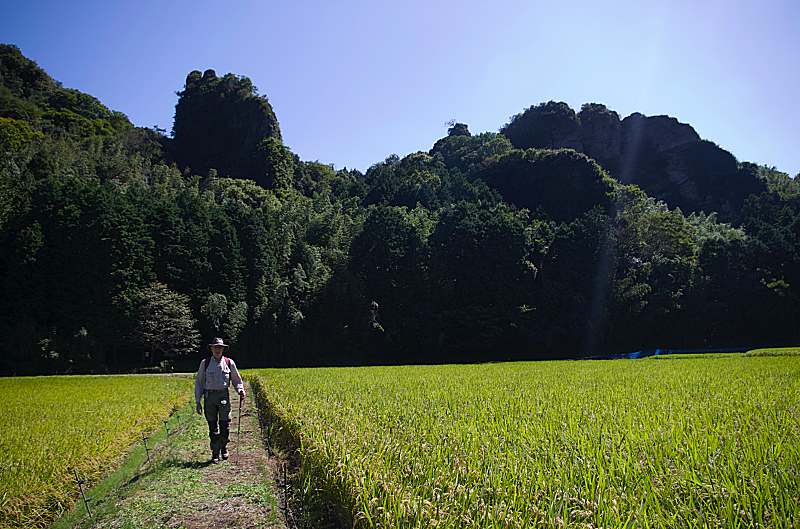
(241, 395)
(199, 409)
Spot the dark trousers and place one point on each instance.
(217, 408)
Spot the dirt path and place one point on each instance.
(181, 488)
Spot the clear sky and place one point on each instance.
(352, 82)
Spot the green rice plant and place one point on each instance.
(775, 351)
(692, 356)
(52, 425)
(687, 443)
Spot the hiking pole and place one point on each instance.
(239, 430)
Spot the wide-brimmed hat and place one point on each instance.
(218, 341)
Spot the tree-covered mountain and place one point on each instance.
(565, 234)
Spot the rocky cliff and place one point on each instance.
(665, 157)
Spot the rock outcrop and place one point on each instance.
(222, 123)
(600, 133)
(658, 133)
(663, 156)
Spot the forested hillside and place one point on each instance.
(564, 234)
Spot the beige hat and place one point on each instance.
(218, 341)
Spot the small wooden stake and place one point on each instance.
(285, 492)
(80, 486)
(146, 451)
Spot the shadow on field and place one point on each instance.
(192, 464)
(163, 465)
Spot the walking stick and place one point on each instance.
(239, 430)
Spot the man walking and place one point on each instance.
(212, 381)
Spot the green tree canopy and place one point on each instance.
(563, 183)
(546, 126)
(166, 326)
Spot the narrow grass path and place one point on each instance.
(180, 488)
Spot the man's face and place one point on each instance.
(217, 350)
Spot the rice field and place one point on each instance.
(51, 425)
(629, 443)
(775, 351)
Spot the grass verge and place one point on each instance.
(101, 497)
(179, 487)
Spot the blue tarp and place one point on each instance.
(644, 353)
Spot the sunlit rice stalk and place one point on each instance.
(687, 443)
(54, 424)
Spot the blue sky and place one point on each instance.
(352, 82)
